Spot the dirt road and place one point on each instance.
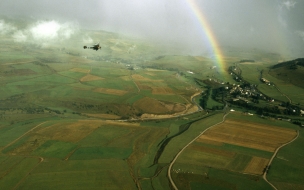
(177, 155)
(273, 156)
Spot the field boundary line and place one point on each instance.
(273, 156)
(134, 82)
(23, 135)
(177, 155)
(41, 159)
(283, 93)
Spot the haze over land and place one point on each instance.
(275, 26)
(182, 94)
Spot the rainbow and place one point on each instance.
(208, 33)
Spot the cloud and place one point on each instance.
(52, 30)
(19, 36)
(87, 40)
(283, 6)
(45, 32)
(289, 4)
(6, 28)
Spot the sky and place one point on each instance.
(273, 25)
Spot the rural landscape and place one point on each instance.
(134, 115)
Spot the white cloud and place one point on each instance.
(43, 32)
(19, 36)
(52, 30)
(87, 40)
(289, 4)
(283, 7)
(6, 28)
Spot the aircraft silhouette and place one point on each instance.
(94, 47)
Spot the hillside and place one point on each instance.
(290, 71)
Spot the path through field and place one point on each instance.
(282, 93)
(22, 180)
(274, 154)
(23, 135)
(177, 155)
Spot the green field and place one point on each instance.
(293, 92)
(289, 161)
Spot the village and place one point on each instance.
(249, 98)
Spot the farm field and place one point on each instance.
(115, 119)
(61, 148)
(242, 148)
(288, 162)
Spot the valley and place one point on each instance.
(117, 118)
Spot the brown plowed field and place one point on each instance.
(256, 165)
(143, 86)
(219, 152)
(209, 141)
(251, 135)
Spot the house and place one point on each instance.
(265, 80)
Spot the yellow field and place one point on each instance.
(209, 141)
(151, 105)
(150, 73)
(213, 151)
(143, 86)
(118, 123)
(256, 165)
(126, 78)
(252, 135)
(154, 70)
(141, 78)
(164, 90)
(104, 116)
(111, 91)
(90, 78)
(80, 70)
(72, 132)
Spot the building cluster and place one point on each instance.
(265, 81)
(242, 92)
